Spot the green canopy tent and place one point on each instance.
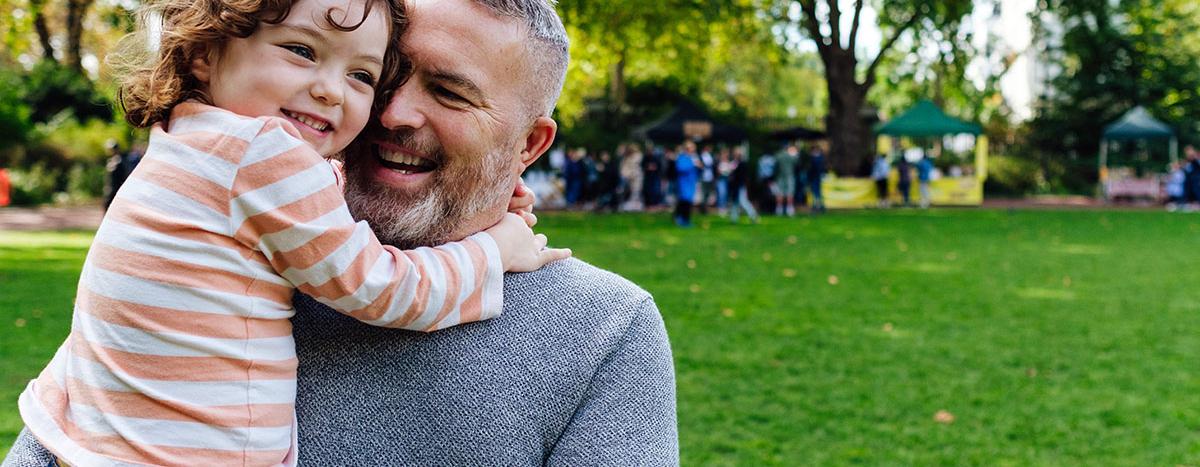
(1136, 124)
(925, 119)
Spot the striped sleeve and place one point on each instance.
(287, 203)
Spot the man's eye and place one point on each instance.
(448, 94)
(364, 77)
(300, 50)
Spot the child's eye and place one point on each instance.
(364, 77)
(300, 50)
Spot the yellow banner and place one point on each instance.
(853, 193)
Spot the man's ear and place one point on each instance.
(538, 141)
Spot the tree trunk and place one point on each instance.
(43, 32)
(76, 12)
(850, 140)
(617, 90)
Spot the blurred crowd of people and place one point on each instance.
(689, 177)
(1183, 182)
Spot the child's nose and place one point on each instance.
(328, 90)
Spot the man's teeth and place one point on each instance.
(314, 123)
(401, 158)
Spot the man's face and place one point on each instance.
(448, 156)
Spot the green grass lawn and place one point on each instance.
(1049, 337)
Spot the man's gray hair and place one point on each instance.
(548, 46)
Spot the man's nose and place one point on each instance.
(403, 109)
(328, 89)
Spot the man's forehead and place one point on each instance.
(463, 37)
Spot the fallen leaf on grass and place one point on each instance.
(766, 257)
(789, 273)
(833, 280)
(887, 327)
(20, 322)
(691, 264)
(733, 254)
(792, 240)
(728, 312)
(695, 288)
(943, 417)
(636, 244)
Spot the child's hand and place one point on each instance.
(521, 203)
(520, 249)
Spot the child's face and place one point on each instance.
(304, 70)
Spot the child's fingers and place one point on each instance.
(522, 197)
(530, 218)
(521, 188)
(540, 240)
(553, 254)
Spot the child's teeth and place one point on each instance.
(319, 126)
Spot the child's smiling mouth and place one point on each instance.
(310, 121)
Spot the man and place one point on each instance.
(785, 180)
(707, 166)
(924, 177)
(687, 175)
(117, 168)
(1191, 174)
(879, 173)
(739, 183)
(576, 371)
(816, 176)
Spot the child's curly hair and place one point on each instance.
(155, 79)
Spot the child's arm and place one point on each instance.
(287, 204)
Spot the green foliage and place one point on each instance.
(14, 111)
(1114, 56)
(35, 185)
(52, 88)
(85, 182)
(63, 161)
(1013, 176)
(74, 141)
(720, 53)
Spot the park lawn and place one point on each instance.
(1048, 337)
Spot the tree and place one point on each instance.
(850, 136)
(1111, 56)
(630, 54)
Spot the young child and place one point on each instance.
(181, 351)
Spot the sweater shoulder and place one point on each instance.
(577, 295)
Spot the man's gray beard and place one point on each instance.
(458, 194)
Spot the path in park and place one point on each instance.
(50, 218)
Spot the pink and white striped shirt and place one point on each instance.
(180, 351)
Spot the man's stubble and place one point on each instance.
(460, 191)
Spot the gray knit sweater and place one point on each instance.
(577, 371)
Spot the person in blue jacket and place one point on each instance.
(686, 176)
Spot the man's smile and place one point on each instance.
(400, 165)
